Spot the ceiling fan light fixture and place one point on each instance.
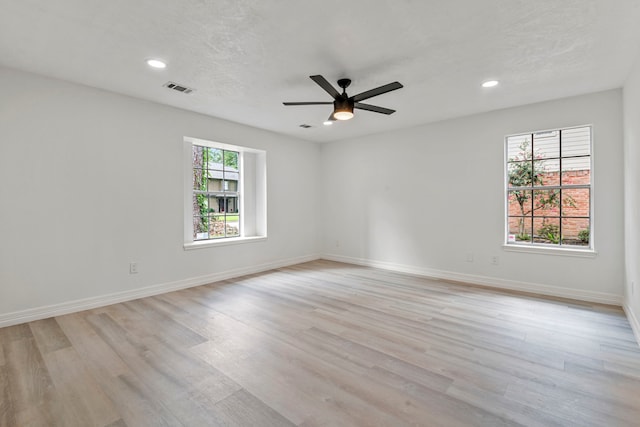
(343, 109)
(343, 115)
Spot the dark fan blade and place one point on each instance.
(373, 108)
(377, 91)
(324, 84)
(307, 103)
(331, 118)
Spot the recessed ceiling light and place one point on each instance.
(328, 123)
(156, 63)
(490, 83)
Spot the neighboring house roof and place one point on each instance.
(215, 172)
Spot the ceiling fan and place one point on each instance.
(343, 104)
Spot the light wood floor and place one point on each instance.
(324, 344)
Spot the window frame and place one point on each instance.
(545, 248)
(253, 223)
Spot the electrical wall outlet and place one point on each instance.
(495, 260)
(133, 268)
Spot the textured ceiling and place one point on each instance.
(244, 57)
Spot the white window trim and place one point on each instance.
(203, 244)
(259, 227)
(589, 252)
(550, 250)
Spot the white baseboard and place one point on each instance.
(44, 312)
(492, 282)
(633, 321)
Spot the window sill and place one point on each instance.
(534, 249)
(202, 244)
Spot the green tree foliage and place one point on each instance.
(230, 157)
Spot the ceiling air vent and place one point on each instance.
(179, 88)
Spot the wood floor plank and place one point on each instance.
(325, 344)
(94, 351)
(517, 412)
(571, 405)
(16, 332)
(48, 335)
(83, 401)
(7, 409)
(243, 409)
(33, 401)
(137, 405)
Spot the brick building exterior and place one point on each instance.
(575, 210)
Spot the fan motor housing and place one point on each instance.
(343, 103)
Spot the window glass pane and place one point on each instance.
(233, 224)
(231, 175)
(216, 175)
(520, 174)
(199, 168)
(546, 172)
(519, 148)
(232, 204)
(200, 228)
(198, 155)
(576, 170)
(547, 230)
(213, 184)
(519, 203)
(216, 229)
(215, 180)
(546, 145)
(200, 216)
(214, 159)
(576, 142)
(575, 202)
(546, 203)
(231, 160)
(212, 205)
(520, 229)
(199, 179)
(575, 231)
(200, 204)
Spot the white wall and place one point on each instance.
(91, 180)
(421, 199)
(632, 195)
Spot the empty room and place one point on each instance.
(289, 213)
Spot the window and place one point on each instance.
(548, 180)
(225, 193)
(216, 173)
